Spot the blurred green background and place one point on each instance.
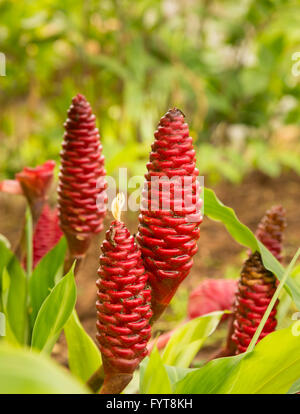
(226, 64)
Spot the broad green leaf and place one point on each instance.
(272, 368)
(153, 375)
(84, 355)
(42, 280)
(13, 288)
(189, 338)
(175, 374)
(16, 305)
(5, 283)
(26, 372)
(216, 210)
(54, 313)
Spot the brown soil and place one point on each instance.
(218, 255)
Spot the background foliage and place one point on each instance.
(226, 64)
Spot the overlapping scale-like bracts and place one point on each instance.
(47, 233)
(257, 285)
(170, 210)
(81, 191)
(123, 306)
(270, 230)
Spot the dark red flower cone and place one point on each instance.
(123, 308)
(81, 190)
(257, 286)
(46, 235)
(170, 213)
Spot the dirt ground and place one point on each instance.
(218, 256)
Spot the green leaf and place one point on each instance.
(84, 355)
(189, 338)
(43, 277)
(175, 374)
(272, 368)
(25, 372)
(16, 305)
(216, 210)
(54, 313)
(153, 375)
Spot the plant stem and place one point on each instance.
(29, 249)
(272, 302)
(96, 380)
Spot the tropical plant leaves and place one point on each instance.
(43, 277)
(54, 313)
(188, 339)
(16, 302)
(272, 368)
(25, 372)
(84, 355)
(216, 210)
(153, 375)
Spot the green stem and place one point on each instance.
(272, 302)
(28, 242)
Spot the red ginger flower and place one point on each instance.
(170, 214)
(123, 307)
(257, 286)
(47, 234)
(81, 195)
(35, 183)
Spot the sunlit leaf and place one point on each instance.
(84, 355)
(187, 340)
(153, 375)
(43, 279)
(54, 313)
(25, 372)
(272, 368)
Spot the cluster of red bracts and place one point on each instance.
(123, 307)
(170, 213)
(257, 286)
(47, 233)
(81, 190)
(137, 282)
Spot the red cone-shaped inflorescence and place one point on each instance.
(270, 230)
(81, 191)
(170, 213)
(46, 235)
(257, 286)
(123, 308)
